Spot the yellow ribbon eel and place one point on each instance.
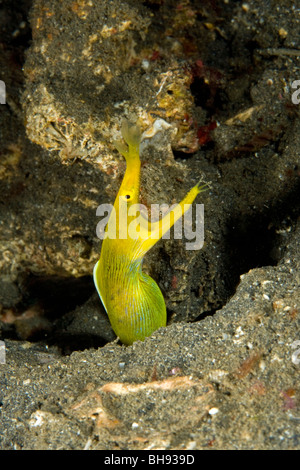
(132, 299)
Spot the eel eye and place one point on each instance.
(127, 196)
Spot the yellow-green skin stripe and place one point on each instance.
(132, 299)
